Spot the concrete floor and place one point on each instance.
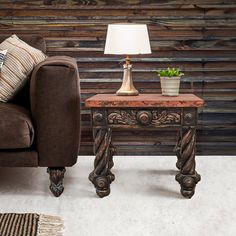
(144, 199)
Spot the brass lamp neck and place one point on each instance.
(127, 60)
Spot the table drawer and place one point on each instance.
(144, 117)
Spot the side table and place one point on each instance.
(152, 111)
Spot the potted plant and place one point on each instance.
(170, 81)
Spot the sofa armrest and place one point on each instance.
(55, 107)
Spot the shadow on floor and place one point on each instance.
(23, 181)
(148, 182)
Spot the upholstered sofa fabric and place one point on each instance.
(20, 61)
(18, 158)
(55, 107)
(16, 129)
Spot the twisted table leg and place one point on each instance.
(177, 150)
(102, 176)
(185, 151)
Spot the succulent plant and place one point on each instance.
(170, 72)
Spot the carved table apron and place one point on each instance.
(150, 115)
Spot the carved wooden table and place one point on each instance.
(152, 111)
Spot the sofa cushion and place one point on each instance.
(20, 60)
(16, 129)
(35, 41)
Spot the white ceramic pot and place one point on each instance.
(170, 86)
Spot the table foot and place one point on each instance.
(102, 183)
(188, 183)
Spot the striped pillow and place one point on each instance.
(20, 60)
(2, 58)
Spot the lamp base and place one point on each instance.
(121, 92)
(127, 93)
(127, 88)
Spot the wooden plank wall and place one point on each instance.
(198, 36)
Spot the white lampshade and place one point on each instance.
(127, 39)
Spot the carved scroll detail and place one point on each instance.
(185, 151)
(101, 177)
(165, 117)
(133, 117)
(122, 117)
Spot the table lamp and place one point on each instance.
(127, 39)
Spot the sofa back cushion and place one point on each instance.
(35, 41)
(20, 60)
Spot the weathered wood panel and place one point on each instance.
(198, 36)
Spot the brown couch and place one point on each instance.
(41, 125)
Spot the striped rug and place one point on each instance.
(12, 224)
